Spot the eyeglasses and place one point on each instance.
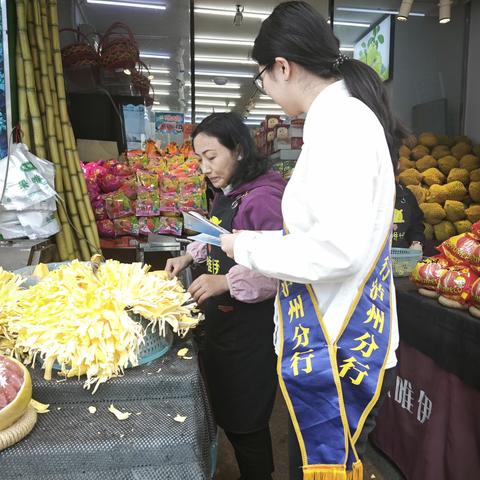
(258, 81)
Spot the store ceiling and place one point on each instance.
(162, 32)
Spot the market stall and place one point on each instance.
(169, 434)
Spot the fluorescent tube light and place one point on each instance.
(159, 70)
(161, 92)
(213, 103)
(375, 10)
(218, 95)
(160, 82)
(231, 86)
(225, 41)
(268, 106)
(206, 73)
(236, 60)
(350, 24)
(347, 48)
(162, 56)
(127, 4)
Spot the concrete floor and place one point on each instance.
(376, 465)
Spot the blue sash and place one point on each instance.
(331, 386)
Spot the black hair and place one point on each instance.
(297, 32)
(232, 133)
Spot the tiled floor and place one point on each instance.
(376, 465)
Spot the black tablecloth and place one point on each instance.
(450, 337)
(71, 443)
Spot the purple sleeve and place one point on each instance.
(198, 251)
(260, 210)
(249, 286)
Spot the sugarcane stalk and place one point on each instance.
(33, 107)
(70, 148)
(22, 99)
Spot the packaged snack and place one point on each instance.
(126, 226)
(170, 226)
(92, 188)
(118, 205)
(109, 183)
(463, 249)
(427, 273)
(149, 225)
(129, 188)
(94, 169)
(148, 203)
(119, 169)
(475, 307)
(147, 180)
(455, 287)
(168, 194)
(106, 228)
(137, 159)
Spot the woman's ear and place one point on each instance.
(285, 67)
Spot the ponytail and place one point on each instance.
(297, 32)
(364, 83)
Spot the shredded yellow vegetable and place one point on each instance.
(80, 318)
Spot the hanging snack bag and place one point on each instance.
(106, 228)
(170, 226)
(149, 225)
(148, 203)
(147, 180)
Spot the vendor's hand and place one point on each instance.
(176, 265)
(228, 243)
(416, 246)
(207, 286)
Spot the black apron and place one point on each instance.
(238, 355)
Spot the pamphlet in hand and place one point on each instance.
(209, 232)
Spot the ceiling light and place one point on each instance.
(404, 10)
(158, 70)
(163, 56)
(231, 86)
(160, 82)
(349, 24)
(241, 61)
(248, 122)
(266, 112)
(267, 106)
(226, 12)
(214, 103)
(128, 4)
(444, 11)
(347, 48)
(218, 95)
(161, 92)
(224, 74)
(225, 41)
(376, 10)
(265, 97)
(205, 110)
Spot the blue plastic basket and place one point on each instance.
(404, 261)
(154, 346)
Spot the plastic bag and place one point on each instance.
(26, 182)
(126, 226)
(118, 205)
(170, 226)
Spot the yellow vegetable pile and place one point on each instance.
(9, 295)
(444, 175)
(80, 318)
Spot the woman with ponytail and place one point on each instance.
(336, 319)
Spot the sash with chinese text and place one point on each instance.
(330, 387)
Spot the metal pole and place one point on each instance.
(192, 58)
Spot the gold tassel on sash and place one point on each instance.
(324, 472)
(333, 472)
(357, 471)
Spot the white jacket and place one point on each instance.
(338, 208)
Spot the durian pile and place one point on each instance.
(444, 175)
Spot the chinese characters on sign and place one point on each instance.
(405, 396)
